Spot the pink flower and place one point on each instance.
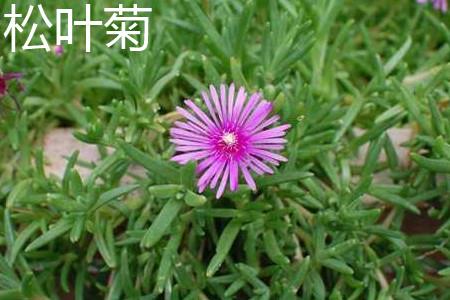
(437, 4)
(4, 81)
(58, 50)
(231, 137)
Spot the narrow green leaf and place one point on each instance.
(377, 130)
(210, 72)
(432, 164)
(318, 285)
(80, 280)
(444, 272)
(165, 190)
(330, 169)
(436, 117)
(250, 274)
(297, 279)
(13, 294)
(115, 290)
(441, 147)
(163, 81)
(77, 229)
(218, 212)
(31, 287)
(339, 249)
(372, 157)
(20, 241)
(106, 250)
(20, 189)
(384, 232)
(273, 249)
(337, 265)
(58, 229)
(393, 199)
(220, 46)
(71, 162)
(243, 25)
(236, 73)
(234, 288)
(125, 276)
(8, 228)
(113, 194)
(64, 277)
(8, 273)
(194, 200)
(75, 183)
(187, 174)
(156, 167)
(397, 57)
(166, 265)
(98, 82)
(413, 106)
(281, 178)
(104, 166)
(224, 244)
(391, 153)
(349, 117)
(162, 222)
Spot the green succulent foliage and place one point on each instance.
(324, 226)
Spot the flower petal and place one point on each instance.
(216, 178)
(215, 98)
(210, 107)
(248, 178)
(223, 183)
(269, 141)
(266, 123)
(265, 158)
(12, 75)
(269, 146)
(183, 134)
(234, 173)
(230, 102)
(237, 109)
(267, 154)
(223, 101)
(200, 113)
(208, 174)
(255, 169)
(192, 148)
(183, 142)
(251, 104)
(260, 113)
(191, 118)
(186, 157)
(205, 164)
(262, 166)
(190, 127)
(271, 133)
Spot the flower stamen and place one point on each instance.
(229, 139)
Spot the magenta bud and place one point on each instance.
(58, 50)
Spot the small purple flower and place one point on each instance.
(4, 81)
(437, 4)
(232, 137)
(58, 50)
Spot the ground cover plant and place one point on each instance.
(360, 209)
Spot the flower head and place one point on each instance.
(58, 50)
(4, 81)
(231, 136)
(441, 5)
